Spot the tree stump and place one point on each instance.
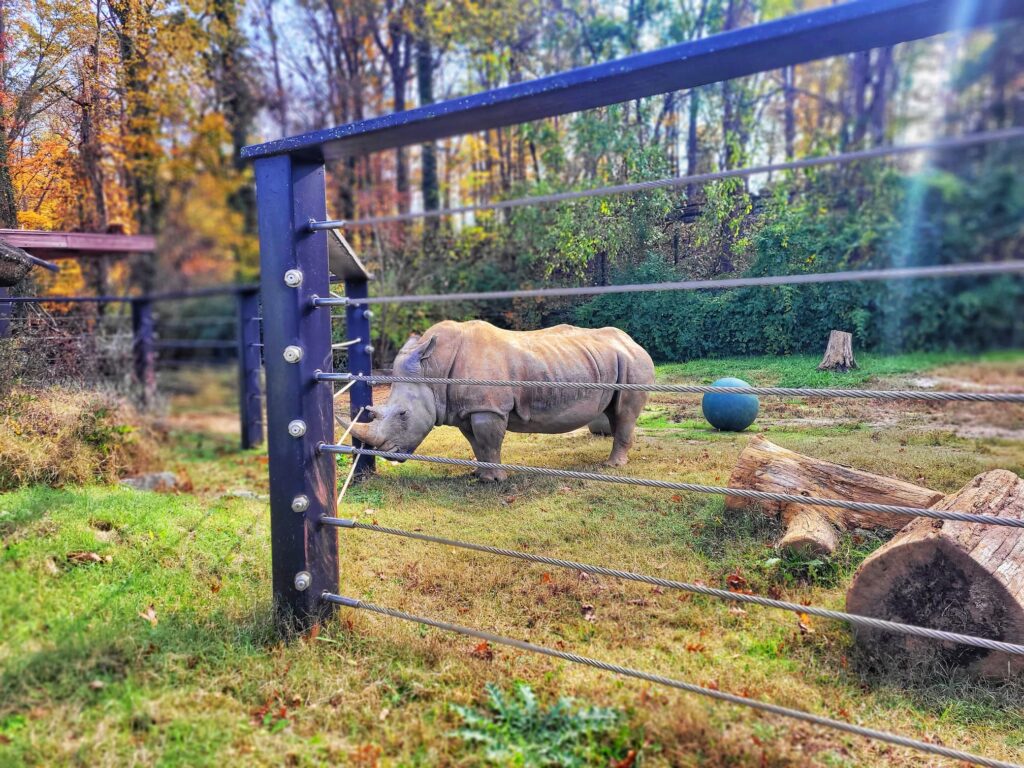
(839, 353)
(961, 577)
(811, 530)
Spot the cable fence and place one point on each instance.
(303, 259)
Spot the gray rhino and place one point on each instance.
(479, 350)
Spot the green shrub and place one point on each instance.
(516, 730)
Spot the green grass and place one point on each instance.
(801, 370)
(87, 678)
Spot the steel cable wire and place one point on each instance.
(743, 493)
(864, 394)
(775, 709)
(814, 278)
(700, 589)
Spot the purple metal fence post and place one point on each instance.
(250, 406)
(6, 310)
(300, 414)
(360, 361)
(144, 350)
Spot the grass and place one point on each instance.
(161, 649)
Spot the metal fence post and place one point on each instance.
(144, 350)
(250, 409)
(300, 415)
(360, 361)
(6, 310)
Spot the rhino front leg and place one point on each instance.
(488, 435)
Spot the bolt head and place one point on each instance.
(368, 349)
(300, 503)
(303, 579)
(292, 353)
(293, 278)
(368, 314)
(297, 428)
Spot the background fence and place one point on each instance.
(147, 347)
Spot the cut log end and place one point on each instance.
(809, 534)
(839, 353)
(959, 577)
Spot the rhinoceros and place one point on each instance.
(479, 350)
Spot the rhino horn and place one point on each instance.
(365, 433)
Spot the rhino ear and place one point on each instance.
(414, 356)
(428, 349)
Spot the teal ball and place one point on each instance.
(727, 411)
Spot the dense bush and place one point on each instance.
(932, 218)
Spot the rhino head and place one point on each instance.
(401, 424)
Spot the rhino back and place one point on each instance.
(479, 350)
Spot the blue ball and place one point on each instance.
(727, 411)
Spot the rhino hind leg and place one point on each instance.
(488, 434)
(623, 418)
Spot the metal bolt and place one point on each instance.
(302, 580)
(297, 428)
(368, 349)
(367, 314)
(292, 353)
(300, 503)
(293, 278)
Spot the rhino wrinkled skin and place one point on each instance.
(479, 350)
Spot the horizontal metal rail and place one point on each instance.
(814, 278)
(692, 389)
(731, 698)
(743, 493)
(699, 589)
(955, 142)
(198, 293)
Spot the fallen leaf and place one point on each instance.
(711, 685)
(676, 498)
(510, 500)
(737, 611)
(804, 623)
(51, 567)
(82, 558)
(545, 578)
(483, 651)
(149, 615)
(384, 714)
(695, 647)
(587, 611)
(735, 581)
(640, 602)
(628, 761)
(97, 685)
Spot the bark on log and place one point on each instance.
(839, 353)
(811, 530)
(961, 577)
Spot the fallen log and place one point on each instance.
(961, 577)
(812, 530)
